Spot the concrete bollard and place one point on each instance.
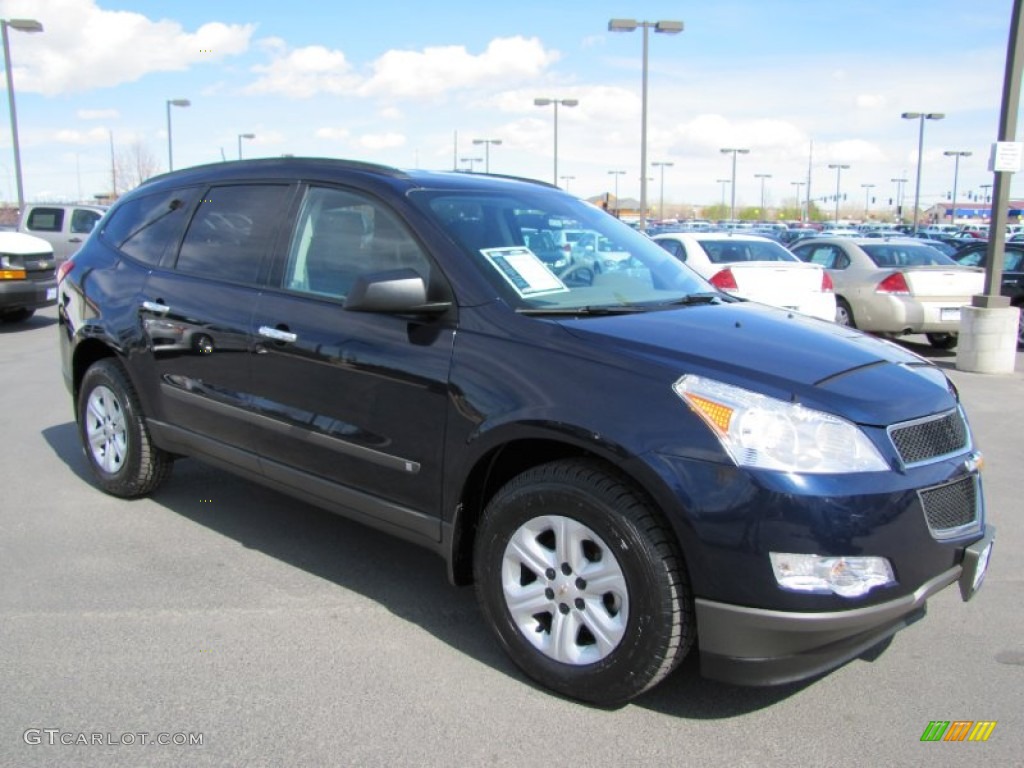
(988, 339)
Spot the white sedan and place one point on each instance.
(754, 268)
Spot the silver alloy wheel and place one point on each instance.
(106, 430)
(565, 590)
(842, 315)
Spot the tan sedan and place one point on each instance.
(897, 286)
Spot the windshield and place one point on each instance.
(545, 250)
(734, 249)
(906, 255)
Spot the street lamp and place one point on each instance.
(471, 161)
(921, 117)
(616, 174)
(867, 191)
(487, 151)
(725, 151)
(899, 197)
(723, 182)
(665, 27)
(567, 179)
(170, 144)
(799, 205)
(243, 136)
(839, 172)
(22, 25)
(556, 102)
(661, 206)
(762, 177)
(956, 174)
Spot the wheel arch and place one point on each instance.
(87, 353)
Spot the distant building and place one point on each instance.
(972, 212)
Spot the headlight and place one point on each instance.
(762, 432)
(845, 576)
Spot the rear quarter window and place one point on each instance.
(147, 227)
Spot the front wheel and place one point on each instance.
(942, 340)
(583, 583)
(113, 431)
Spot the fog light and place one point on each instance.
(820, 574)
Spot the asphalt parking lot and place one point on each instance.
(278, 634)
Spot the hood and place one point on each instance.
(782, 354)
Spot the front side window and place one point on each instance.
(146, 227)
(341, 235)
(46, 219)
(232, 230)
(83, 220)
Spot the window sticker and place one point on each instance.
(524, 271)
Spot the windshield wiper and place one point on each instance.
(625, 309)
(696, 298)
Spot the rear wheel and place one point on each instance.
(583, 583)
(942, 340)
(17, 315)
(113, 431)
(844, 315)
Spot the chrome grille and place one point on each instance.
(951, 509)
(930, 438)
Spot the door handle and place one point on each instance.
(75, 240)
(153, 306)
(277, 334)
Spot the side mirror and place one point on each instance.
(399, 291)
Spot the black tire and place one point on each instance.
(615, 527)
(942, 340)
(844, 314)
(122, 456)
(17, 315)
(1020, 326)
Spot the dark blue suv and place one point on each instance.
(626, 462)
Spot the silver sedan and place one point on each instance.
(898, 285)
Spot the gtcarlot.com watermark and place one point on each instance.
(56, 736)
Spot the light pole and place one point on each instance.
(799, 204)
(762, 177)
(567, 179)
(471, 161)
(956, 175)
(22, 25)
(921, 117)
(543, 102)
(616, 174)
(487, 151)
(867, 192)
(665, 27)
(170, 144)
(243, 136)
(899, 198)
(723, 182)
(661, 204)
(839, 172)
(725, 151)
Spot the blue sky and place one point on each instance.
(393, 82)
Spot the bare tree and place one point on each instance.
(133, 165)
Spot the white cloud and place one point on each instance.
(391, 113)
(437, 70)
(97, 114)
(382, 140)
(304, 72)
(332, 134)
(871, 101)
(71, 136)
(84, 47)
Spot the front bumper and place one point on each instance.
(28, 294)
(751, 646)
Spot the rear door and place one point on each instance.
(197, 312)
(353, 403)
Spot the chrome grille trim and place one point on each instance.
(931, 438)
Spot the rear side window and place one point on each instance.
(46, 219)
(145, 228)
(231, 231)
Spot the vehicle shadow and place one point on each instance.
(36, 321)
(363, 560)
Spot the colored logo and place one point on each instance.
(958, 730)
